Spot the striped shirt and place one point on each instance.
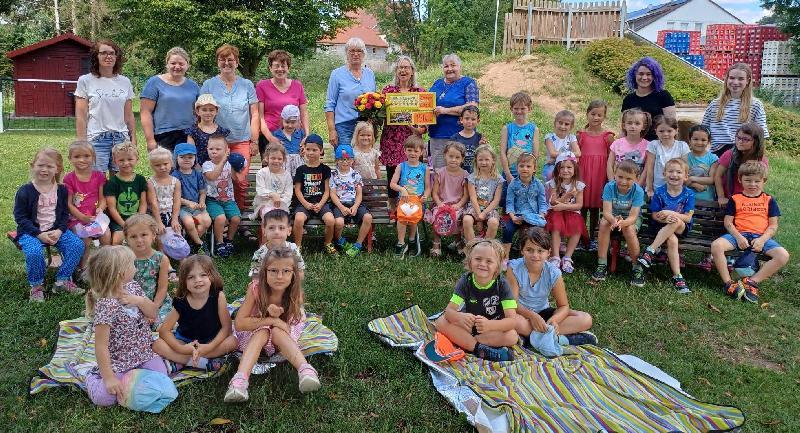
(723, 132)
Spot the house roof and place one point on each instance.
(47, 42)
(642, 17)
(365, 26)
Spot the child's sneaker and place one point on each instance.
(680, 285)
(215, 364)
(37, 294)
(581, 338)
(734, 289)
(600, 272)
(308, 380)
(353, 250)
(229, 247)
(495, 354)
(706, 264)
(646, 258)
(555, 261)
(567, 266)
(330, 249)
(221, 250)
(237, 389)
(400, 250)
(637, 279)
(67, 286)
(750, 289)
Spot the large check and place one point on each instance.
(413, 108)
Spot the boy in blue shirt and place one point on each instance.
(194, 217)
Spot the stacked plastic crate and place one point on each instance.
(727, 44)
(776, 71)
(684, 44)
(719, 48)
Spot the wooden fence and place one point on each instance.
(534, 22)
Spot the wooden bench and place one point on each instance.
(49, 259)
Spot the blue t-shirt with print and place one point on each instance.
(520, 140)
(413, 178)
(621, 204)
(470, 144)
(700, 166)
(291, 144)
(534, 297)
(681, 203)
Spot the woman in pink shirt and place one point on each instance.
(277, 92)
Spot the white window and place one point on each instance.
(698, 26)
(684, 26)
(670, 24)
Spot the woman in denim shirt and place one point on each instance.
(345, 84)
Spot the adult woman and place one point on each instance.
(103, 103)
(393, 137)
(345, 83)
(453, 93)
(277, 92)
(734, 107)
(238, 112)
(646, 80)
(167, 103)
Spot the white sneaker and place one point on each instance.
(237, 389)
(307, 378)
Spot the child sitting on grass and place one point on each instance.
(481, 314)
(751, 219)
(346, 195)
(533, 278)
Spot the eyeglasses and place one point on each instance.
(108, 53)
(275, 272)
(744, 139)
(404, 67)
(354, 52)
(221, 60)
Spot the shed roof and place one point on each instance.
(47, 42)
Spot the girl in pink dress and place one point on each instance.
(594, 141)
(449, 188)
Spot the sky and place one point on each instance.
(748, 11)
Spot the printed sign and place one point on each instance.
(414, 108)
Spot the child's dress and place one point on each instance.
(484, 190)
(364, 163)
(147, 272)
(165, 198)
(561, 145)
(243, 337)
(679, 149)
(451, 189)
(200, 138)
(592, 165)
(292, 146)
(566, 222)
(268, 183)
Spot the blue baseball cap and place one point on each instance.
(345, 151)
(236, 161)
(314, 138)
(185, 149)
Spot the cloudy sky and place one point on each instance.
(748, 11)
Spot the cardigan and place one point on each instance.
(26, 203)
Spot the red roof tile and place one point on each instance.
(364, 27)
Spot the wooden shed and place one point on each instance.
(46, 74)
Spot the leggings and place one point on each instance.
(71, 247)
(97, 389)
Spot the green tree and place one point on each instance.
(401, 22)
(786, 15)
(254, 26)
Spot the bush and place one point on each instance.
(784, 129)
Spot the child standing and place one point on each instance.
(410, 179)
(623, 198)
(632, 146)
(125, 191)
(564, 217)
(481, 314)
(526, 202)
(559, 141)
(274, 184)
(152, 267)
(311, 193)
(751, 219)
(276, 228)
(164, 191)
(594, 141)
(206, 109)
(519, 136)
(659, 151)
(468, 136)
(200, 311)
(219, 190)
(85, 198)
(193, 215)
(749, 147)
(271, 320)
(366, 161)
(346, 195)
(484, 188)
(533, 279)
(41, 214)
(120, 314)
(291, 137)
(449, 188)
(671, 210)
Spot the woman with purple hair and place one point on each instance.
(646, 80)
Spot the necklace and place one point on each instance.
(446, 88)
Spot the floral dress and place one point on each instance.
(147, 271)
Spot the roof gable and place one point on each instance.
(365, 26)
(47, 42)
(643, 17)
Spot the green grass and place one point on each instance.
(742, 355)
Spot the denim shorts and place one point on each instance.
(183, 339)
(103, 143)
(770, 244)
(186, 211)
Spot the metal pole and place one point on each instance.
(496, 14)
(1, 112)
(530, 28)
(622, 17)
(569, 25)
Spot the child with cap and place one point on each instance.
(346, 184)
(219, 188)
(193, 214)
(206, 109)
(291, 136)
(311, 191)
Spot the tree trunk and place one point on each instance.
(74, 17)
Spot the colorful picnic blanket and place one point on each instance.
(75, 347)
(592, 390)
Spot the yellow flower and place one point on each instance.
(378, 104)
(362, 107)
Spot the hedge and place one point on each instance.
(609, 59)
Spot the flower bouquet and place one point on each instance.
(371, 107)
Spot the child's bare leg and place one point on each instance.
(523, 326)
(227, 346)
(166, 351)
(779, 257)
(632, 240)
(718, 249)
(412, 231)
(603, 239)
(329, 221)
(87, 245)
(668, 230)
(674, 255)
(338, 228)
(401, 233)
(366, 226)
(577, 321)
(191, 229)
(233, 226)
(205, 222)
(555, 244)
(297, 227)
(288, 348)
(252, 351)
(469, 231)
(492, 224)
(105, 239)
(498, 338)
(117, 238)
(219, 227)
(461, 337)
(572, 243)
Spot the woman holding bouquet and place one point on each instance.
(393, 137)
(345, 84)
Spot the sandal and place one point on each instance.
(436, 249)
(567, 266)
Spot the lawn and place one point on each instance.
(721, 351)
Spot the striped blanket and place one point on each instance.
(75, 347)
(592, 390)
